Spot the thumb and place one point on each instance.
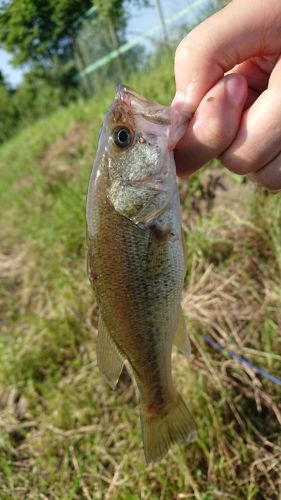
(239, 31)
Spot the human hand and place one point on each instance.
(228, 71)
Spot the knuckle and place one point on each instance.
(262, 181)
(189, 47)
(183, 49)
(180, 48)
(268, 181)
(235, 164)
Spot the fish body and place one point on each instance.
(136, 260)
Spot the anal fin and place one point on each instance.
(181, 339)
(110, 361)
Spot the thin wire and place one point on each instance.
(241, 360)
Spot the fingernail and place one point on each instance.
(183, 101)
(178, 101)
(235, 90)
(189, 97)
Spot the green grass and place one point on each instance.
(64, 433)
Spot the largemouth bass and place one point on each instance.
(136, 260)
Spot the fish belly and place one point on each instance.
(138, 283)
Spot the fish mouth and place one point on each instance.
(139, 113)
(151, 111)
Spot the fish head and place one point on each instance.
(137, 141)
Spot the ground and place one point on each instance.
(64, 433)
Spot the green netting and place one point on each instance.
(100, 57)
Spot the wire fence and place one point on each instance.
(99, 55)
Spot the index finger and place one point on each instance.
(237, 32)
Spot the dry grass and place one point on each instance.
(64, 433)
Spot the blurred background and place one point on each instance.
(63, 433)
(53, 53)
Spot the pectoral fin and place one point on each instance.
(181, 339)
(109, 359)
(155, 204)
(159, 231)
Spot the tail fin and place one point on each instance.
(160, 431)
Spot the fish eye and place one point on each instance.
(122, 137)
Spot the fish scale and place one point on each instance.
(136, 261)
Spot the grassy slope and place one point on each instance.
(64, 433)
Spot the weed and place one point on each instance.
(64, 433)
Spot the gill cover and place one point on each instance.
(141, 136)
